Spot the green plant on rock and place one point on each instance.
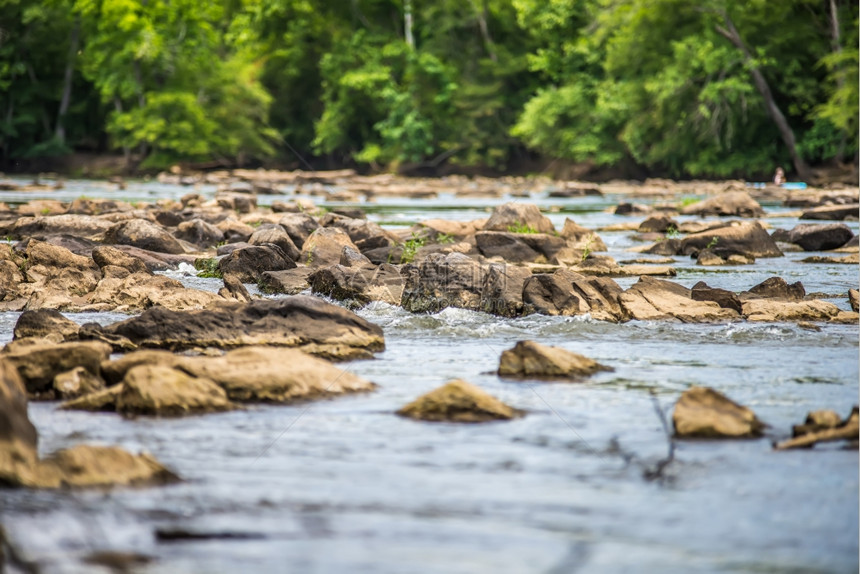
(444, 238)
(208, 268)
(685, 201)
(672, 232)
(712, 243)
(522, 228)
(411, 247)
(586, 249)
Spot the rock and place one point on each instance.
(708, 258)
(568, 293)
(458, 401)
(745, 238)
(529, 359)
(359, 285)
(440, 281)
(290, 282)
(625, 208)
(97, 206)
(852, 259)
(456, 229)
(702, 412)
(69, 224)
(234, 230)
(820, 237)
(144, 235)
(514, 216)
(299, 226)
(349, 257)
(832, 212)
(725, 299)
(817, 421)
(579, 237)
(511, 247)
(665, 247)
(38, 362)
(199, 232)
(820, 427)
(736, 203)
(163, 391)
(502, 290)
(298, 321)
(77, 382)
(249, 263)
(238, 202)
(18, 436)
(42, 323)
(773, 310)
(776, 288)
(42, 207)
(156, 261)
(651, 299)
(324, 246)
(658, 223)
(139, 291)
(252, 374)
(234, 289)
(275, 235)
(106, 255)
(854, 299)
(365, 234)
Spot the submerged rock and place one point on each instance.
(298, 321)
(702, 412)
(458, 401)
(530, 359)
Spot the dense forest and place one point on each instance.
(714, 88)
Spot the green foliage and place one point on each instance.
(208, 268)
(586, 249)
(444, 238)
(411, 247)
(712, 243)
(519, 227)
(672, 232)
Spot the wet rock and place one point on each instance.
(568, 293)
(817, 421)
(106, 255)
(69, 224)
(529, 359)
(275, 235)
(820, 430)
(652, 299)
(658, 223)
(776, 288)
(702, 412)
(290, 282)
(511, 247)
(708, 258)
(854, 299)
(324, 246)
(76, 382)
(458, 401)
(852, 259)
(43, 323)
(234, 289)
(163, 391)
(440, 281)
(200, 233)
(736, 203)
(253, 374)
(299, 226)
(298, 321)
(514, 216)
(502, 290)
(249, 263)
(745, 238)
(359, 285)
(820, 237)
(773, 310)
(144, 235)
(39, 362)
(833, 212)
(725, 299)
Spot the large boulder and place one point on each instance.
(772, 310)
(516, 216)
(298, 321)
(289, 282)
(651, 299)
(249, 263)
(45, 323)
(199, 232)
(299, 227)
(745, 238)
(18, 436)
(722, 297)
(440, 281)
(502, 290)
(144, 235)
(820, 237)
(163, 391)
(275, 235)
(359, 285)
(108, 256)
(69, 224)
(736, 203)
(39, 362)
(702, 412)
(458, 401)
(776, 288)
(566, 292)
(529, 359)
(832, 212)
(138, 291)
(522, 247)
(324, 246)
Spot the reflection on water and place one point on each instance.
(346, 486)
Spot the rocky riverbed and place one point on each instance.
(229, 352)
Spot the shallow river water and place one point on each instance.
(346, 486)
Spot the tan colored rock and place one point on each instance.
(820, 427)
(702, 412)
(737, 203)
(458, 401)
(776, 310)
(76, 383)
(517, 215)
(529, 359)
(45, 322)
(39, 362)
(324, 246)
(457, 229)
(163, 391)
(854, 299)
(652, 299)
(143, 290)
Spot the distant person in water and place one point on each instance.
(779, 176)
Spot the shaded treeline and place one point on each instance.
(674, 87)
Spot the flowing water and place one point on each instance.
(346, 486)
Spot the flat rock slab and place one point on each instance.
(298, 321)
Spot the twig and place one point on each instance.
(656, 473)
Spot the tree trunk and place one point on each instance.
(840, 74)
(60, 132)
(46, 123)
(407, 23)
(731, 33)
(483, 16)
